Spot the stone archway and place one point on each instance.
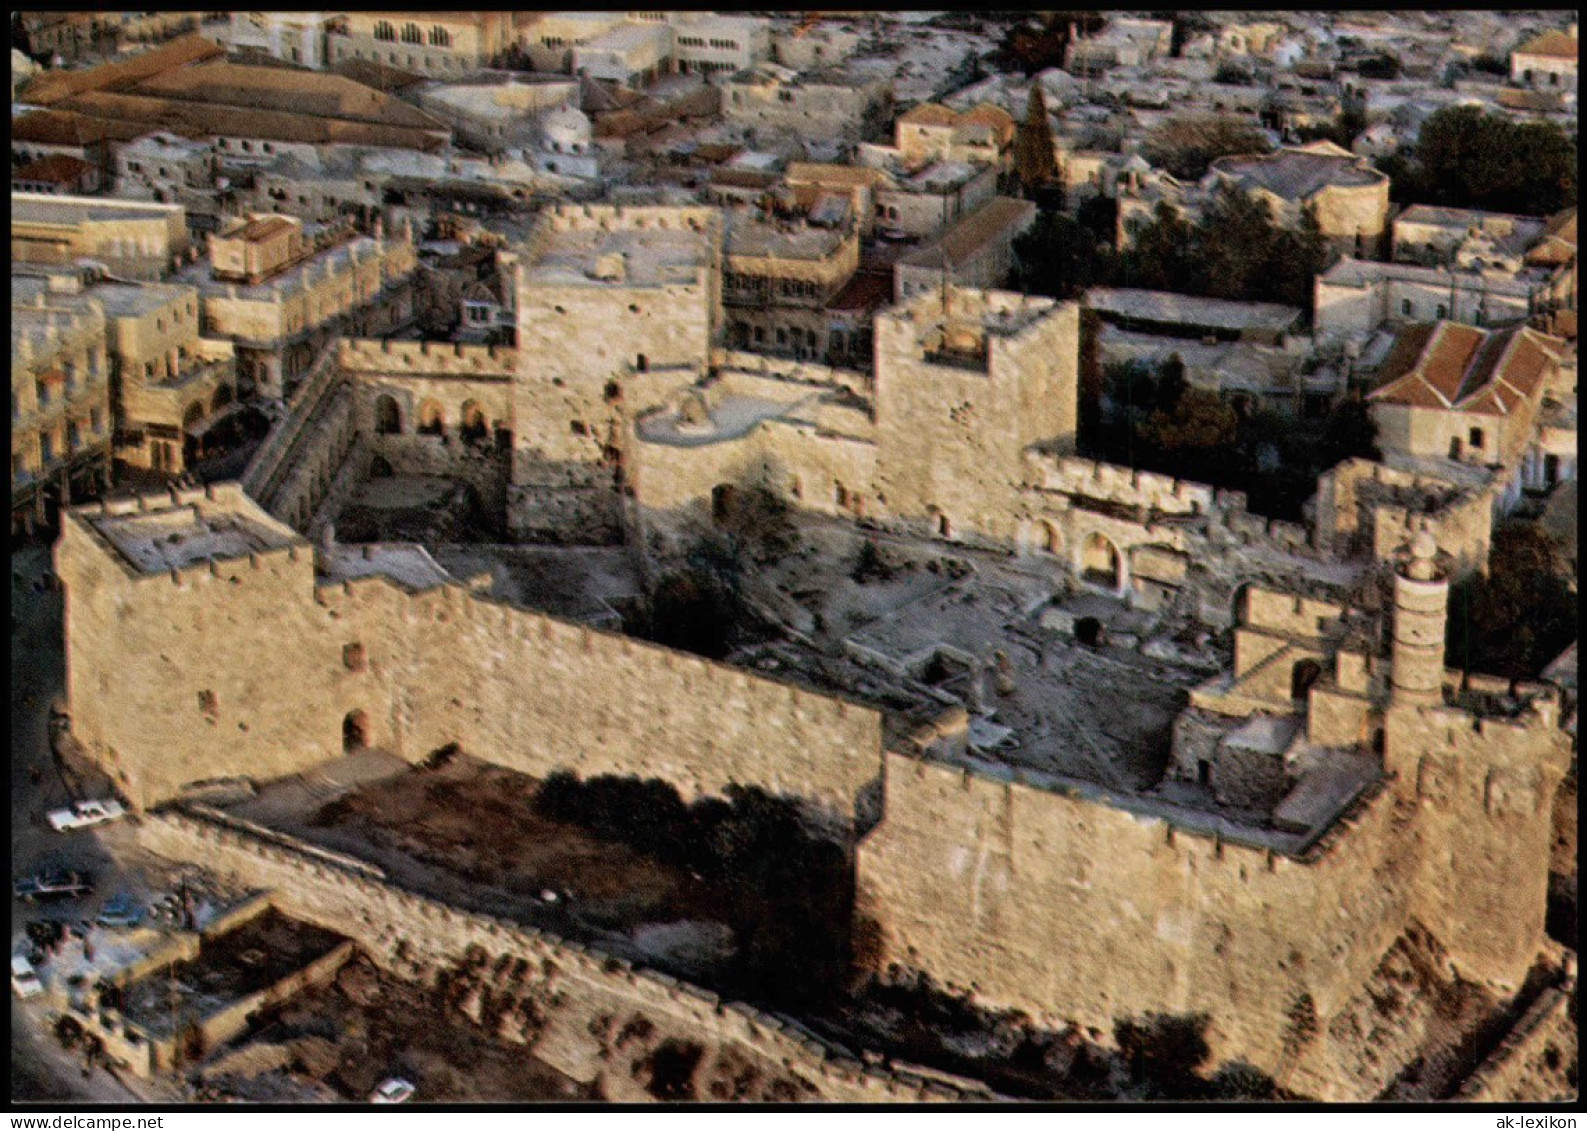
(388, 416)
(1302, 676)
(432, 419)
(1101, 563)
(1052, 539)
(355, 732)
(474, 427)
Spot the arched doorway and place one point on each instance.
(432, 421)
(1090, 632)
(1100, 563)
(388, 417)
(380, 468)
(723, 496)
(192, 446)
(355, 732)
(1302, 676)
(222, 398)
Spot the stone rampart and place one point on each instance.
(413, 935)
(1075, 909)
(426, 359)
(241, 667)
(1121, 485)
(1536, 1058)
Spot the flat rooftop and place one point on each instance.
(229, 967)
(410, 566)
(158, 541)
(1188, 310)
(754, 238)
(295, 278)
(651, 257)
(69, 211)
(728, 419)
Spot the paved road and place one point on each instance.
(40, 1069)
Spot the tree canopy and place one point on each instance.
(1467, 158)
(1035, 159)
(1029, 49)
(1515, 620)
(1186, 144)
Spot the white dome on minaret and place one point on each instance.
(566, 129)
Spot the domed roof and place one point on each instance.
(567, 125)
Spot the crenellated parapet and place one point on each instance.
(426, 359)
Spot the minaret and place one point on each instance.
(1421, 608)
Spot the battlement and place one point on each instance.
(1122, 485)
(620, 218)
(426, 359)
(186, 533)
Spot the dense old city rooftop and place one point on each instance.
(679, 556)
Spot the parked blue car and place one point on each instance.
(121, 910)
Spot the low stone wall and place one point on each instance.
(412, 935)
(1532, 1062)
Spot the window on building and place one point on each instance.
(353, 657)
(412, 34)
(1443, 311)
(1476, 437)
(440, 37)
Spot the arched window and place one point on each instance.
(440, 37)
(412, 34)
(384, 30)
(1302, 676)
(1100, 563)
(355, 732)
(432, 421)
(388, 417)
(222, 398)
(474, 427)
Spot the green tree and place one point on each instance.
(1466, 158)
(1518, 618)
(1035, 160)
(1160, 258)
(1186, 144)
(1200, 424)
(1059, 257)
(1234, 246)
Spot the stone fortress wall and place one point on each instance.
(1062, 903)
(577, 987)
(209, 650)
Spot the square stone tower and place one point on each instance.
(605, 295)
(967, 380)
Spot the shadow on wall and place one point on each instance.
(789, 889)
(1155, 1056)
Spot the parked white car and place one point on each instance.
(24, 980)
(392, 1090)
(81, 814)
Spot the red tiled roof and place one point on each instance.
(1446, 365)
(929, 114)
(1554, 44)
(56, 169)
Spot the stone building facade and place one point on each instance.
(60, 402)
